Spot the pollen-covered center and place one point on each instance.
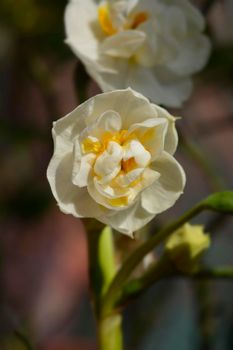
(118, 166)
(110, 25)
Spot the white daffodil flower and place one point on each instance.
(113, 161)
(153, 46)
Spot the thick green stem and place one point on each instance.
(110, 333)
(102, 269)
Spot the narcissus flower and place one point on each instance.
(153, 46)
(113, 161)
(186, 245)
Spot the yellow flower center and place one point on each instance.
(105, 21)
(138, 19)
(98, 147)
(128, 165)
(119, 202)
(91, 144)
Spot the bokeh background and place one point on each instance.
(43, 256)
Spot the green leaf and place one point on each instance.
(221, 202)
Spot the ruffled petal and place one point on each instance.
(107, 162)
(193, 55)
(70, 198)
(109, 121)
(129, 220)
(66, 129)
(107, 196)
(126, 179)
(132, 106)
(167, 189)
(83, 32)
(137, 151)
(151, 133)
(159, 85)
(171, 137)
(123, 44)
(82, 166)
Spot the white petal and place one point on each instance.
(158, 48)
(124, 180)
(137, 151)
(193, 55)
(104, 194)
(123, 44)
(171, 138)
(193, 14)
(127, 5)
(130, 105)
(66, 129)
(109, 177)
(166, 190)
(71, 199)
(109, 121)
(132, 4)
(149, 176)
(83, 32)
(82, 169)
(108, 161)
(159, 85)
(129, 220)
(151, 133)
(110, 192)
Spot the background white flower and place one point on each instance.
(153, 46)
(113, 160)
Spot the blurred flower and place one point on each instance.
(152, 46)
(113, 161)
(186, 245)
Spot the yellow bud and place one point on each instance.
(186, 245)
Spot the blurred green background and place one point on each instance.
(43, 258)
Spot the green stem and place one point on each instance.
(110, 333)
(135, 287)
(212, 273)
(101, 261)
(163, 269)
(135, 258)
(102, 269)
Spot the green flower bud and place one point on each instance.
(186, 245)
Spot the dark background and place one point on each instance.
(43, 257)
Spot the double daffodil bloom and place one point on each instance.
(153, 46)
(113, 161)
